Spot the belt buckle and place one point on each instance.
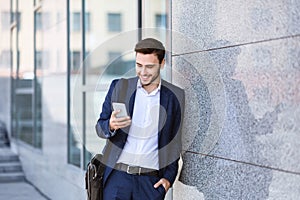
(128, 170)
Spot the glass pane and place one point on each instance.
(14, 81)
(5, 60)
(155, 16)
(24, 87)
(40, 63)
(76, 129)
(155, 24)
(51, 79)
(110, 38)
(24, 111)
(110, 35)
(94, 144)
(114, 22)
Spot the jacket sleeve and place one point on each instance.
(171, 172)
(102, 126)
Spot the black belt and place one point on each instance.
(134, 170)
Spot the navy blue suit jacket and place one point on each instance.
(170, 121)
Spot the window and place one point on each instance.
(114, 22)
(42, 20)
(76, 21)
(160, 20)
(76, 60)
(76, 26)
(16, 17)
(38, 21)
(87, 22)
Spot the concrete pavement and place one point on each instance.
(19, 191)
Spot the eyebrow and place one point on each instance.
(150, 65)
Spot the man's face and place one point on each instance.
(148, 68)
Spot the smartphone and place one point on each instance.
(121, 107)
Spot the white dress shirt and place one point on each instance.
(141, 147)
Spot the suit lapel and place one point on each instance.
(164, 101)
(132, 84)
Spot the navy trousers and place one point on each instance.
(123, 186)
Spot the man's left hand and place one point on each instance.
(164, 182)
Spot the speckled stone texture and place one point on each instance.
(241, 73)
(225, 179)
(236, 21)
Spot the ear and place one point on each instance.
(162, 65)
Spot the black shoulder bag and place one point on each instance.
(95, 168)
(93, 178)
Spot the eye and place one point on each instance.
(149, 66)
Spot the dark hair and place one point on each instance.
(149, 46)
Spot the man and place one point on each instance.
(142, 149)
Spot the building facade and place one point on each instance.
(237, 61)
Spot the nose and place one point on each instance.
(143, 70)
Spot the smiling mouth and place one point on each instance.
(145, 77)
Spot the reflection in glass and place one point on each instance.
(76, 126)
(23, 107)
(106, 59)
(50, 111)
(16, 17)
(14, 59)
(160, 20)
(155, 18)
(106, 25)
(40, 61)
(94, 144)
(114, 22)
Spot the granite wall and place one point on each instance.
(239, 64)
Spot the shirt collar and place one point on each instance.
(139, 86)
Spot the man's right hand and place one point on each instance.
(116, 123)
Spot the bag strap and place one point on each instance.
(123, 90)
